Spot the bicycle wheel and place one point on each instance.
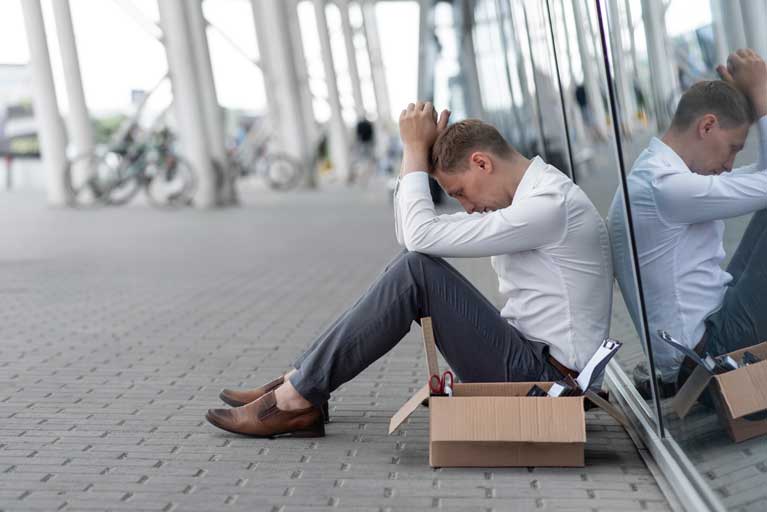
(171, 182)
(80, 181)
(282, 172)
(118, 177)
(92, 179)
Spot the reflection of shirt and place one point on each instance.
(549, 248)
(679, 232)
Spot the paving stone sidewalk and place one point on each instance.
(118, 328)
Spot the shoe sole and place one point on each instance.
(296, 433)
(237, 403)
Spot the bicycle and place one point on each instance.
(114, 176)
(253, 157)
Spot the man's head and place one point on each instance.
(711, 121)
(470, 160)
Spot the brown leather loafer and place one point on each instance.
(262, 418)
(240, 397)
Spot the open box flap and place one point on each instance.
(688, 394)
(429, 347)
(609, 408)
(408, 408)
(507, 419)
(432, 366)
(744, 390)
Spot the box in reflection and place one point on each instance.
(740, 396)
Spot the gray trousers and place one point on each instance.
(742, 319)
(477, 343)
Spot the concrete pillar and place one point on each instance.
(351, 56)
(78, 120)
(278, 64)
(568, 46)
(50, 128)
(720, 33)
(337, 137)
(501, 8)
(426, 54)
(632, 38)
(577, 129)
(529, 105)
(377, 71)
(211, 110)
(590, 69)
(186, 99)
(755, 24)
(732, 21)
(464, 15)
(623, 78)
(664, 80)
(308, 122)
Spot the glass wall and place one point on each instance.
(593, 87)
(693, 226)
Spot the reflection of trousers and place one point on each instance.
(742, 319)
(478, 344)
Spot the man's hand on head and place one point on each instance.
(747, 71)
(418, 129)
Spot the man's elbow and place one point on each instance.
(415, 241)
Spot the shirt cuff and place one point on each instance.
(415, 183)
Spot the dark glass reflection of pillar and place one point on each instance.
(541, 137)
(643, 326)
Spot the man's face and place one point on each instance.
(718, 147)
(478, 189)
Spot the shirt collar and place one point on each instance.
(530, 179)
(667, 155)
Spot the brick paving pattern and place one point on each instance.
(119, 328)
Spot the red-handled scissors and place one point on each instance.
(443, 386)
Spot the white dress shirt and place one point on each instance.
(549, 248)
(679, 232)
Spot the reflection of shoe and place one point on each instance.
(240, 397)
(666, 389)
(641, 377)
(262, 418)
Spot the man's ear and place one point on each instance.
(706, 124)
(482, 160)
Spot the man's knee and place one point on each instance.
(418, 258)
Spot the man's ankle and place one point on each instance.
(288, 399)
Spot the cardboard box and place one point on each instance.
(497, 425)
(737, 394)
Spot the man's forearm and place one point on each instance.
(414, 159)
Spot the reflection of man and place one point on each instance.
(681, 188)
(549, 247)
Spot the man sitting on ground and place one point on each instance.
(680, 188)
(549, 247)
